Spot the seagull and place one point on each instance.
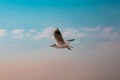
(60, 41)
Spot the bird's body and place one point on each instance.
(60, 46)
(60, 41)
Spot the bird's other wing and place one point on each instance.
(70, 40)
(58, 36)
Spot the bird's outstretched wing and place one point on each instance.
(58, 37)
(70, 40)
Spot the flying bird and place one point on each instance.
(60, 41)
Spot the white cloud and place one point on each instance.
(91, 29)
(30, 33)
(46, 33)
(32, 30)
(107, 29)
(2, 32)
(18, 33)
(96, 32)
(72, 32)
(99, 32)
(82, 35)
(107, 33)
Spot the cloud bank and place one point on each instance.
(96, 32)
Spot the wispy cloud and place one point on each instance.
(96, 32)
(30, 33)
(107, 29)
(91, 29)
(2, 32)
(100, 32)
(46, 33)
(18, 33)
(32, 30)
(107, 32)
(74, 33)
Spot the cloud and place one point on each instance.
(32, 30)
(2, 32)
(91, 29)
(107, 29)
(94, 33)
(30, 33)
(72, 33)
(46, 33)
(107, 33)
(100, 32)
(18, 33)
(91, 33)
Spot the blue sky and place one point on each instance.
(26, 28)
(77, 13)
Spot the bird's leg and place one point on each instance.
(68, 48)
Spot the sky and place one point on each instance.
(26, 33)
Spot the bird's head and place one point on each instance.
(53, 45)
(57, 31)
